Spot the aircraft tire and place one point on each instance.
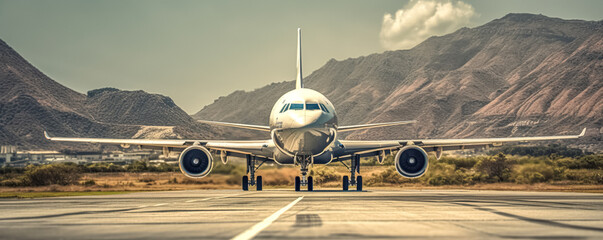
(245, 183)
(359, 183)
(258, 183)
(297, 184)
(346, 183)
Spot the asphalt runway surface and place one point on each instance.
(280, 214)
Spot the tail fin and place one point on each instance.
(299, 83)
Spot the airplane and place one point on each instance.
(304, 131)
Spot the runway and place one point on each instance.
(278, 214)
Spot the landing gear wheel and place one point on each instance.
(310, 184)
(297, 183)
(359, 183)
(245, 183)
(346, 183)
(258, 183)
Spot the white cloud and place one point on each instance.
(421, 19)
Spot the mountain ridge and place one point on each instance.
(31, 102)
(522, 74)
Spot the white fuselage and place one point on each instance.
(303, 122)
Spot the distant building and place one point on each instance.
(7, 153)
(10, 156)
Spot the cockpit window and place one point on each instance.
(312, 106)
(296, 106)
(322, 106)
(284, 108)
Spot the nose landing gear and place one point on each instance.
(304, 180)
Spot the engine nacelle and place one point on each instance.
(195, 161)
(411, 161)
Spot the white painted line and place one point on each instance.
(251, 232)
(161, 204)
(142, 206)
(205, 199)
(199, 200)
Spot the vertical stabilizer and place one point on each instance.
(299, 83)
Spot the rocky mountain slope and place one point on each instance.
(31, 102)
(522, 74)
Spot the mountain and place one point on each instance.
(31, 102)
(522, 74)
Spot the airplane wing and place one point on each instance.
(256, 147)
(238, 125)
(372, 125)
(374, 147)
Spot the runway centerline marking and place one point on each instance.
(210, 198)
(251, 232)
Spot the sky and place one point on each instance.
(197, 51)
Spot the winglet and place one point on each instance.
(299, 83)
(46, 135)
(582, 133)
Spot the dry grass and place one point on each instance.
(273, 178)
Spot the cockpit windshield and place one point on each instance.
(296, 106)
(312, 106)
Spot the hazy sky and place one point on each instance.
(197, 51)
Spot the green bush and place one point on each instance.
(585, 176)
(389, 176)
(322, 174)
(12, 182)
(584, 162)
(227, 169)
(138, 166)
(496, 169)
(61, 174)
(550, 150)
(442, 174)
(533, 173)
(89, 182)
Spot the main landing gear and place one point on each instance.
(353, 180)
(305, 180)
(251, 180)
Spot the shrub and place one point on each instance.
(552, 150)
(584, 162)
(390, 175)
(322, 174)
(61, 174)
(227, 169)
(533, 173)
(138, 166)
(103, 167)
(496, 169)
(12, 182)
(89, 182)
(585, 176)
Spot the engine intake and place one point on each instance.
(411, 161)
(195, 161)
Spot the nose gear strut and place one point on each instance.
(303, 162)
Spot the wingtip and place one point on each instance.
(582, 133)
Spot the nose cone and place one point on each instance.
(308, 118)
(312, 118)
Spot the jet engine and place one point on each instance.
(411, 161)
(195, 161)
